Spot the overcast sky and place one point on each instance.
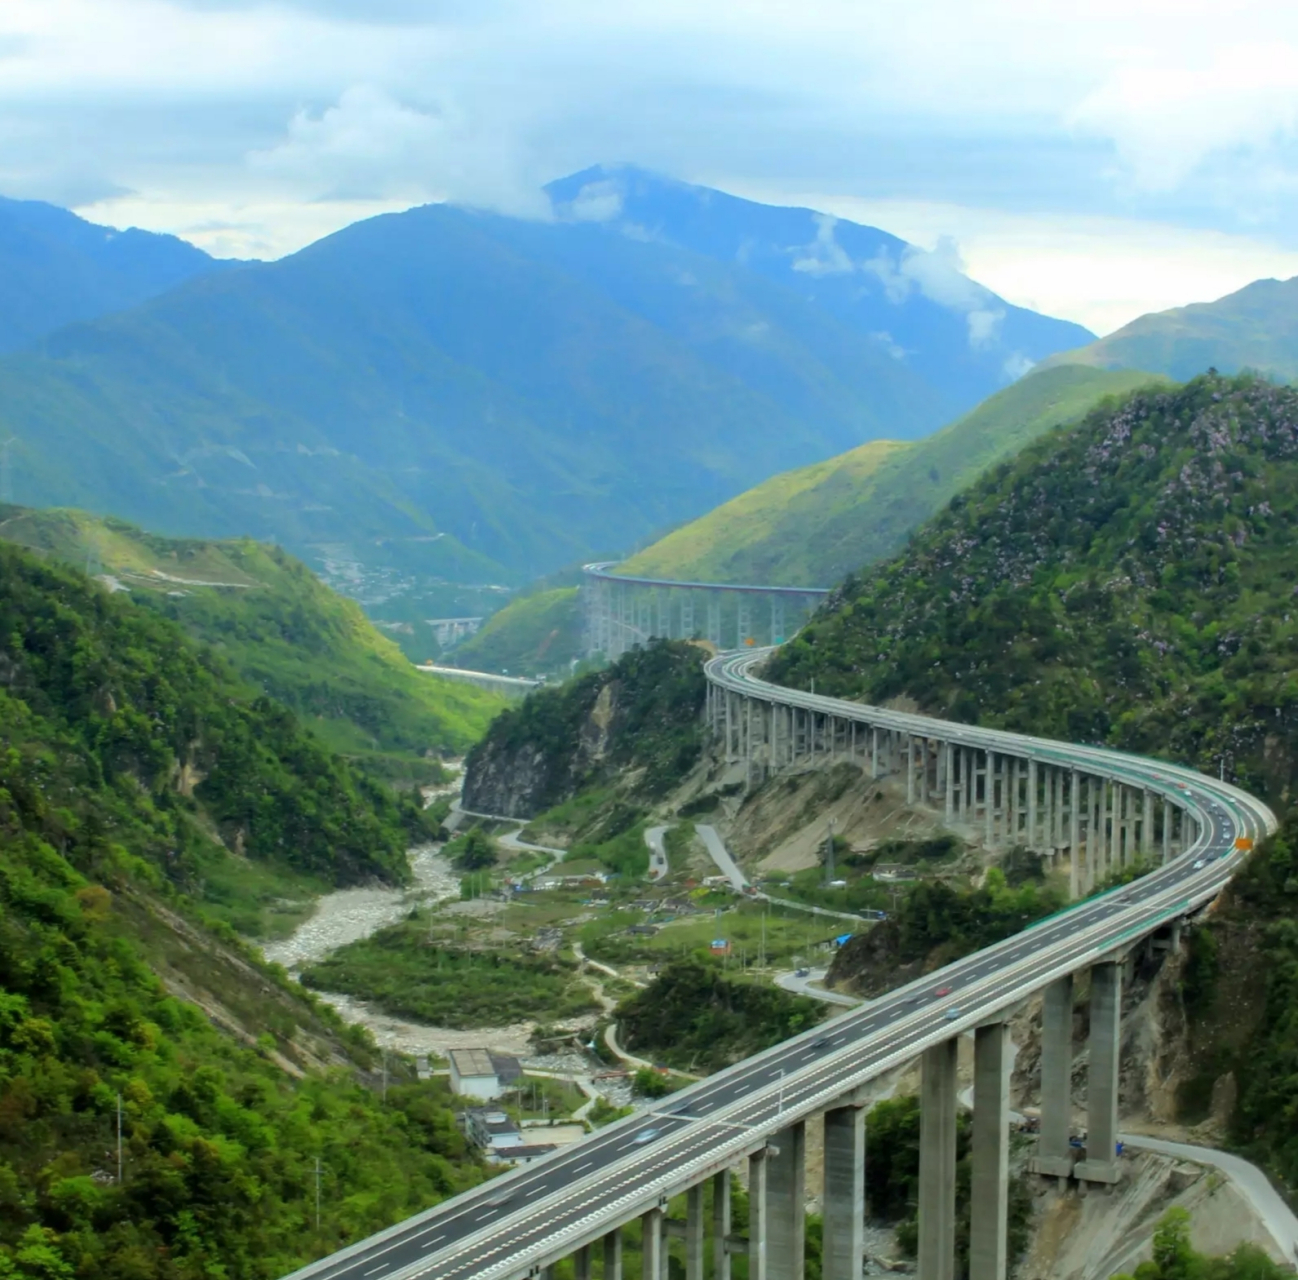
(1095, 161)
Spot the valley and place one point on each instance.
(950, 932)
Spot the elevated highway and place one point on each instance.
(574, 1202)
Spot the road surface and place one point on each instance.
(803, 987)
(653, 837)
(719, 854)
(1250, 1181)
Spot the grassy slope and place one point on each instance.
(1128, 581)
(282, 630)
(534, 634)
(1254, 328)
(812, 526)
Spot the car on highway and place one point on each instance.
(645, 1135)
(951, 1014)
(1198, 863)
(802, 973)
(942, 991)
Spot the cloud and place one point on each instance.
(984, 327)
(369, 146)
(1016, 366)
(596, 202)
(824, 256)
(1166, 117)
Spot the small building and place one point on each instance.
(479, 1073)
(499, 1138)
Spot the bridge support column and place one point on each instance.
(694, 1233)
(874, 751)
(758, 1218)
(786, 1202)
(989, 798)
(1053, 1155)
(720, 1224)
(1167, 829)
(910, 768)
(581, 1264)
(613, 1255)
(937, 1162)
(1074, 836)
(653, 1246)
(949, 754)
(844, 1200)
(1100, 1164)
(990, 1166)
(1032, 842)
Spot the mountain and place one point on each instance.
(282, 631)
(451, 395)
(812, 526)
(1255, 328)
(1127, 581)
(166, 1098)
(56, 268)
(917, 307)
(535, 634)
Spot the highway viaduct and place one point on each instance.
(1095, 808)
(622, 611)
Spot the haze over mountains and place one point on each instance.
(470, 396)
(56, 268)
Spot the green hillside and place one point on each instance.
(146, 804)
(282, 631)
(810, 527)
(240, 803)
(1128, 581)
(1255, 328)
(534, 635)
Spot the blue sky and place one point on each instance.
(1095, 164)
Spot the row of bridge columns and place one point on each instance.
(775, 1243)
(621, 613)
(1102, 823)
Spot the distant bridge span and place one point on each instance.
(624, 610)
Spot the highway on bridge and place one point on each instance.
(546, 1210)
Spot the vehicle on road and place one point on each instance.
(942, 991)
(645, 1135)
(802, 973)
(951, 1014)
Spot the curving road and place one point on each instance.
(544, 1211)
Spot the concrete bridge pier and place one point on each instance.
(786, 1201)
(720, 1225)
(613, 1255)
(937, 1162)
(1101, 1163)
(758, 1218)
(844, 1198)
(990, 1155)
(1054, 1156)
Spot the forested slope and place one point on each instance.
(142, 798)
(281, 629)
(635, 723)
(1127, 581)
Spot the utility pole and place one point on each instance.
(317, 1193)
(119, 1139)
(829, 855)
(385, 1075)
